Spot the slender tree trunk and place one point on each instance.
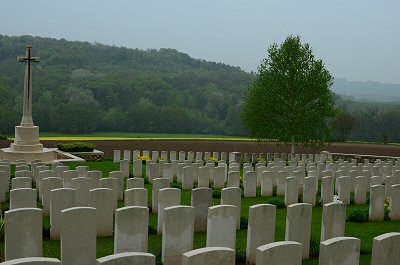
(293, 151)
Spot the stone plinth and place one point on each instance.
(26, 146)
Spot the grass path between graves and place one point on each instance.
(364, 231)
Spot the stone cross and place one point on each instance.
(27, 120)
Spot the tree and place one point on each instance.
(290, 100)
(344, 125)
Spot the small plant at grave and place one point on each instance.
(359, 216)
(213, 159)
(278, 202)
(46, 231)
(275, 190)
(240, 256)
(244, 222)
(2, 221)
(217, 194)
(314, 246)
(260, 159)
(152, 231)
(76, 147)
(3, 137)
(176, 185)
(386, 208)
(143, 159)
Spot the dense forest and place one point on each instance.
(79, 87)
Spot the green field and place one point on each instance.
(364, 231)
(139, 136)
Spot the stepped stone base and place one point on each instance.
(27, 146)
(46, 155)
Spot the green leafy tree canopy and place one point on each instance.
(290, 100)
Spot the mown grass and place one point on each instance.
(105, 245)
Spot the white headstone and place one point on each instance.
(158, 184)
(340, 251)
(250, 184)
(23, 233)
(209, 256)
(221, 226)
(119, 175)
(395, 202)
(82, 187)
(117, 156)
(233, 196)
(137, 168)
(110, 183)
(127, 155)
(361, 188)
(385, 249)
(18, 183)
(201, 200)
(102, 199)
(49, 184)
(131, 225)
(261, 229)
(82, 171)
(187, 178)
(60, 199)
(310, 190)
(133, 183)
(298, 225)
(344, 189)
(204, 178)
(23, 198)
(78, 236)
(376, 203)
(131, 258)
(233, 179)
(167, 197)
(279, 253)
(291, 191)
(136, 197)
(327, 189)
(178, 233)
(95, 176)
(333, 220)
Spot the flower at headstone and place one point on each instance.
(213, 159)
(387, 208)
(336, 199)
(144, 158)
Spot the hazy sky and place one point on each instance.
(357, 39)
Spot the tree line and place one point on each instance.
(80, 87)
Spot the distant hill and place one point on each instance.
(369, 91)
(84, 87)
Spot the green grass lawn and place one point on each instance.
(364, 231)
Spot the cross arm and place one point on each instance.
(25, 59)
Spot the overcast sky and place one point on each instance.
(357, 39)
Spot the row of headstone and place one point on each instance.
(173, 155)
(83, 185)
(23, 237)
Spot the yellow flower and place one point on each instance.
(143, 158)
(214, 159)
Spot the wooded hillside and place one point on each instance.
(83, 87)
(79, 87)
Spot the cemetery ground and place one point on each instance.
(365, 231)
(107, 142)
